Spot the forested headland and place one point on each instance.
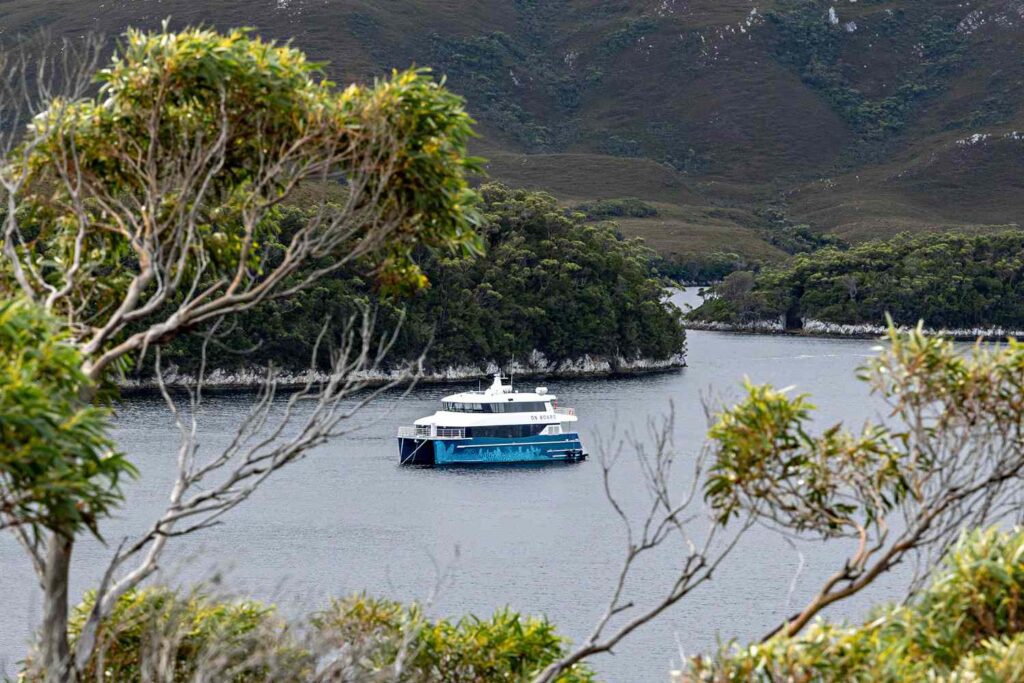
(948, 280)
(550, 282)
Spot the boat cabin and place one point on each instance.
(497, 412)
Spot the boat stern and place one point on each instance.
(415, 451)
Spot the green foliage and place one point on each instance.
(164, 92)
(947, 455)
(767, 462)
(968, 625)
(506, 647)
(160, 634)
(949, 280)
(58, 468)
(626, 207)
(486, 67)
(480, 66)
(739, 298)
(550, 282)
(618, 146)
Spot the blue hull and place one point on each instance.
(485, 451)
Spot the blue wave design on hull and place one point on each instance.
(547, 448)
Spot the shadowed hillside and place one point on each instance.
(859, 118)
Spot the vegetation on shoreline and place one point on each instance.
(947, 279)
(549, 281)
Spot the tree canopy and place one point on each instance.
(948, 280)
(967, 625)
(149, 207)
(58, 468)
(157, 198)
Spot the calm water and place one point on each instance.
(540, 540)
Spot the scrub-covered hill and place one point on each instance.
(860, 118)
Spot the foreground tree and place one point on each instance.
(145, 211)
(966, 625)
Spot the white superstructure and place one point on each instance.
(500, 407)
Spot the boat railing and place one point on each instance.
(565, 411)
(423, 432)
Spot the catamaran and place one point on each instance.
(496, 425)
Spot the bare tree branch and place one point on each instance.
(263, 443)
(668, 516)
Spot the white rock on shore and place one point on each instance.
(768, 326)
(836, 329)
(536, 365)
(827, 329)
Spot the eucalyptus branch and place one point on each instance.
(667, 516)
(256, 451)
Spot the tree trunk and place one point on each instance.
(54, 636)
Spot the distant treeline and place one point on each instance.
(948, 280)
(549, 281)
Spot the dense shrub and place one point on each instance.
(703, 269)
(58, 468)
(806, 41)
(626, 35)
(506, 647)
(161, 634)
(968, 625)
(791, 237)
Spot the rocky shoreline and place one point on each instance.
(819, 328)
(537, 366)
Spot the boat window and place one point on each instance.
(507, 407)
(505, 431)
(527, 407)
(454, 407)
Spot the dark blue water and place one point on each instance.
(543, 541)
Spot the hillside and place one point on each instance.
(858, 118)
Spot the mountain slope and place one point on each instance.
(860, 118)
